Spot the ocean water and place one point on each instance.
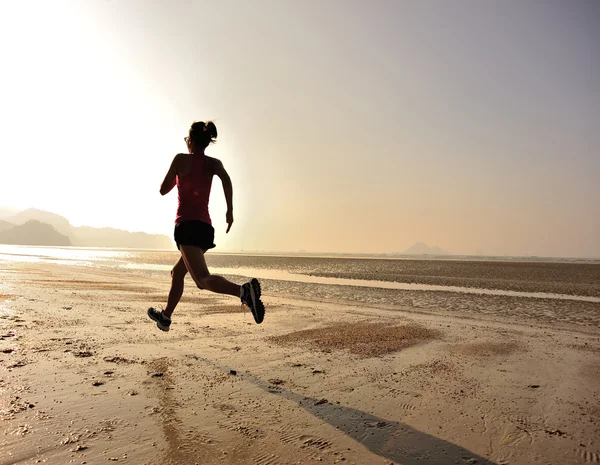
(553, 290)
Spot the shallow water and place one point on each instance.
(282, 275)
(538, 280)
(551, 292)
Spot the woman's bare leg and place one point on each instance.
(177, 280)
(193, 258)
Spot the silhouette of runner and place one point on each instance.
(193, 173)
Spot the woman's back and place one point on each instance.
(194, 182)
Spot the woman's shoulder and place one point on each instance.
(212, 159)
(212, 163)
(183, 163)
(182, 158)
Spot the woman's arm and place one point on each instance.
(171, 177)
(227, 190)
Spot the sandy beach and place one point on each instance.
(86, 377)
(412, 184)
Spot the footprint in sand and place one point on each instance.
(244, 428)
(590, 457)
(18, 364)
(83, 353)
(119, 360)
(267, 459)
(289, 436)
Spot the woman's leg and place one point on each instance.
(177, 279)
(193, 257)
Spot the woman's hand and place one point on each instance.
(229, 219)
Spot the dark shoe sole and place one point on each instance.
(158, 323)
(258, 310)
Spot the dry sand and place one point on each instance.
(85, 377)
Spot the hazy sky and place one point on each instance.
(346, 126)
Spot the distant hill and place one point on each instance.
(423, 249)
(4, 225)
(84, 236)
(34, 232)
(60, 223)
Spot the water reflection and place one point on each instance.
(20, 253)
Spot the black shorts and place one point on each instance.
(195, 233)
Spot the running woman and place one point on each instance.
(193, 173)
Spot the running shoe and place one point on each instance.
(163, 322)
(251, 298)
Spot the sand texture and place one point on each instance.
(86, 377)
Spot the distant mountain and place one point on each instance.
(34, 233)
(4, 225)
(84, 236)
(60, 223)
(423, 249)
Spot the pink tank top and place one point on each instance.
(194, 192)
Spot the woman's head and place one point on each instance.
(202, 134)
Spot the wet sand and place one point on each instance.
(85, 377)
(523, 276)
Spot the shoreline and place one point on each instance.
(568, 279)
